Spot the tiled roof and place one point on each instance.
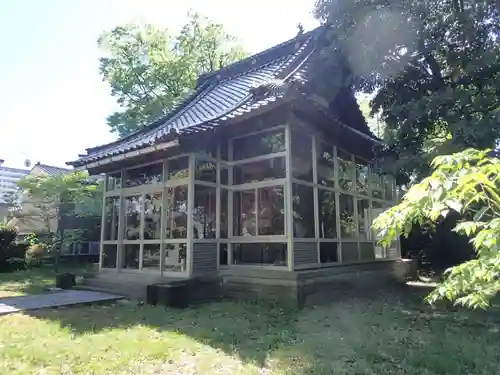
(52, 170)
(220, 95)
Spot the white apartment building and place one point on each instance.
(9, 178)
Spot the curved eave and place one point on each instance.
(240, 99)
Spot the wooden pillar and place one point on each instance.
(289, 198)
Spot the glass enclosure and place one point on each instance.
(277, 198)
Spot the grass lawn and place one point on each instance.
(32, 282)
(389, 334)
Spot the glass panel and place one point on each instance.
(149, 174)
(244, 213)
(112, 214)
(224, 214)
(223, 255)
(366, 251)
(259, 171)
(176, 212)
(377, 184)
(206, 171)
(204, 219)
(362, 176)
(84, 248)
(113, 181)
(271, 211)
(175, 257)
(326, 164)
(364, 217)
(151, 257)
(224, 173)
(350, 252)
(131, 256)
(152, 216)
(393, 251)
(348, 227)
(178, 168)
(260, 253)
(109, 256)
(132, 222)
(302, 166)
(210, 149)
(224, 149)
(346, 171)
(389, 188)
(303, 211)
(327, 214)
(328, 252)
(259, 144)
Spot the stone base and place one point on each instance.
(308, 287)
(290, 289)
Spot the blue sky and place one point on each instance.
(53, 103)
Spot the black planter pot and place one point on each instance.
(65, 281)
(173, 295)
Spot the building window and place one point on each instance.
(132, 223)
(149, 174)
(151, 256)
(327, 214)
(178, 168)
(152, 216)
(260, 253)
(113, 181)
(176, 207)
(302, 162)
(377, 184)
(259, 171)
(224, 213)
(259, 144)
(112, 215)
(303, 211)
(206, 171)
(362, 175)
(175, 257)
(130, 258)
(325, 164)
(204, 219)
(348, 225)
(364, 218)
(259, 212)
(109, 256)
(346, 171)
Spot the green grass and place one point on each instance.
(34, 281)
(389, 334)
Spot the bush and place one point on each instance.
(11, 254)
(35, 254)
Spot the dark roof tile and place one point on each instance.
(219, 96)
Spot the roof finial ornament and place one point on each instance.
(301, 29)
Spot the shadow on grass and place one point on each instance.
(34, 281)
(392, 331)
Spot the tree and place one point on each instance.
(433, 67)
(150, 70)
(375, 123)
(467, 183)
(56, 199)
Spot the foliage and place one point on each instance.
(11, 254)
(13, 202)
(58, 199)
(433, 67)
(150, 70)
(466, 183)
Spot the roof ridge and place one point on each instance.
(247, 59)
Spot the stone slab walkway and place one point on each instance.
(10, 305)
